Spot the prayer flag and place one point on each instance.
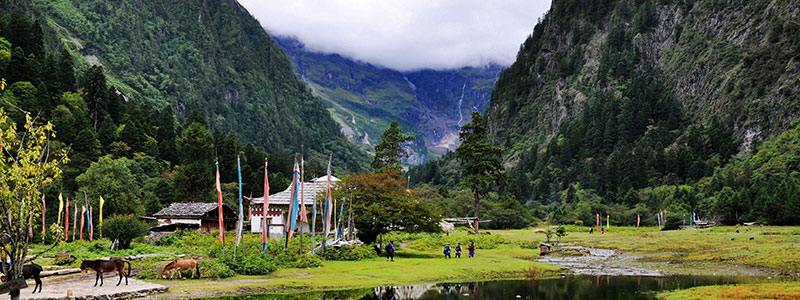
(60, 208)
(66, 222)
(295, 202)
(83, 213)
(314, 217)
(608, 223)
(44, 212)
(219, 208)
(638, 220)
(241, 210)
(598, 219)
(264, 228)
(303, 212)
(102, 202)
(91, 226)
(327, 209)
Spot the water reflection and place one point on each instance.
(571, 287)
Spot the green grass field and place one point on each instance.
(776, 250)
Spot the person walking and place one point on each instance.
(446, 251)
(458, 250)
(471, 249)
(390, 251)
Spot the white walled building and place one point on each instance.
(279, 207)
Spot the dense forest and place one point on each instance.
(593, 119)
(209, 56)
(138, 158)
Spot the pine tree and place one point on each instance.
(481, 163)
(390, 151)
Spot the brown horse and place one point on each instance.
(180, 264)
(102, 265)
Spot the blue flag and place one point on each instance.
(295, 203)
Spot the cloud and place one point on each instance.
(406, 34)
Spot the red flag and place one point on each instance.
(83, 212)
(219, 209)
(598, 219)
(265, 210)
(303, 212)
(638, 220)
(66, 221)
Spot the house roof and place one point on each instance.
(190, 209)
(285, 197)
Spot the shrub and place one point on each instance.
(211, 268)
(349, 252)
(124, 229)
(253, 264)
(673, 221)
(308, 261)
(63, 261)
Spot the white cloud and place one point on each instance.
(406, 34)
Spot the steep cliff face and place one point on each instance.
(364, 98)
(732, 62)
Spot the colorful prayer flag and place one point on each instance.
(638, 220)
(327, 209)
(219, 208)
(292, 222)
(44, 212)
(83, 213)
(91, 226)
(598, 219)
(303, 212)
(60, 208)
(608, 223)
(102, 202)
(66, 221)
(241, 210)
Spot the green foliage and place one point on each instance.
(308, 261)
(124, 229)
(673, 221)
(251, 264)
(424, 242)
(390, 151)
(114, 180)
(349, 252)
(64, 261)
(212, 268)
(381, 203)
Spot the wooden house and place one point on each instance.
(279, 207)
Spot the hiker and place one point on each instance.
(591, 230)
(447, 251)
(390, 251)
(471, 249)
(602, 230)
(458, 250)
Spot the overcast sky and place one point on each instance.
(406, 34)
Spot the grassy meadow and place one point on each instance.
(773, 251)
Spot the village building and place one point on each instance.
(279, 207)
(194, 216)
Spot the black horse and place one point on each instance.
(102, 265)
(29, 271)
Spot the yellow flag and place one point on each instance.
(2, 84)
(60, 208)
(101, 210)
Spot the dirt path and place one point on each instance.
(82, 287)
(595, 261)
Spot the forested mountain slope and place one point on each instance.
(365, 98)
(206, 55)
(630, 107)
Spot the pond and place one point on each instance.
(570, 287)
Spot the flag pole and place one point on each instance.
(314, 219)
(265, 208)
(241, 211)
(302, 210)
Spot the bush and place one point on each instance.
(437, 241)
(308, 261)
(673, 221)
(211, 268)
(253, 264)
(124, 229)
(349, 252)
(63, 261)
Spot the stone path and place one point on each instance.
(82, 287)
(597, 262)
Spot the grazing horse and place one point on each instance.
(180, 264)
(28, 272)
(103, 265)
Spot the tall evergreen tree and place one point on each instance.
(481, 163)
(195, 176)
(390, 151)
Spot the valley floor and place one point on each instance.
(760, 251)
